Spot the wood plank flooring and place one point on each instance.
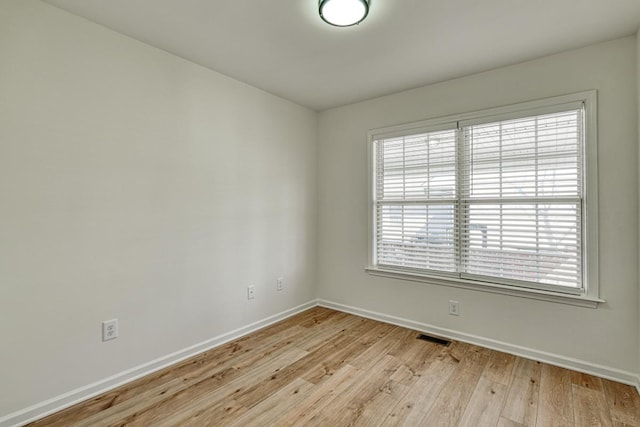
(326, 368)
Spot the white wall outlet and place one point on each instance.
(279, 284)
(251, 292)
(109, 329)
(454, 308)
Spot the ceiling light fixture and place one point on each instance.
(343, 13)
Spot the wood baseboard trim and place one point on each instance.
(58, 403)
(618, 375)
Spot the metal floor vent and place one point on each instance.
(435, 340)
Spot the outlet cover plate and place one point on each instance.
(454, 308)
(109, 329)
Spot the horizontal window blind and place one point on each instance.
(416, 201)
(521, 199)
(496, 201)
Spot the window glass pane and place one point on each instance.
(417, 167)
(530, 157)
(533, 242)
(417, 236)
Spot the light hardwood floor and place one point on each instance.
(327, 368)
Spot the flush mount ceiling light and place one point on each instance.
(343, 13)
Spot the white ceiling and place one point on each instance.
(283, 47)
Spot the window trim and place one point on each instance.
(589, 296)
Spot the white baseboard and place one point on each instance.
(73, 397)
(553, 359)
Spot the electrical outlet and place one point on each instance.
(279, 284)
(109, 330)
(251, 292)
(454, 308)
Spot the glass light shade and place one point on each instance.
(343, 13)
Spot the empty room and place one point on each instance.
(319, 212)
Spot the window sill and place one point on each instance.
(537, 294)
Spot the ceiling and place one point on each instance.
(283, 47)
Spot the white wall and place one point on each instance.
(136, 185)
(606, 336)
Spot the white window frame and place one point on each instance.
(588, 296)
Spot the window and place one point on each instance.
(503, 198)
